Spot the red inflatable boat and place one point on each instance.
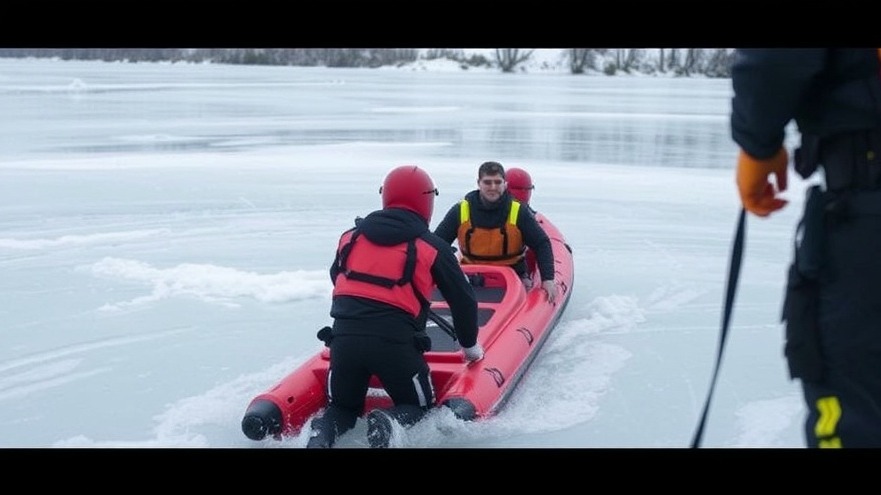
(514, 324)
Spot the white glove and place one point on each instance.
(474, 353)
(551, 288)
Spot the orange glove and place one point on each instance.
(757, 193)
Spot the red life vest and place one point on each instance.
(398, 275)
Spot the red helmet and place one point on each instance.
(409, 187)
(520, 184)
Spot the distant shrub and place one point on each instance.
(478, 60)
(447, 53)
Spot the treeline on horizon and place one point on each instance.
(711, 62)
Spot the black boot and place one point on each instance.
(379, 429)
(322, 436)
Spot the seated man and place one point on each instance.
(493, 228)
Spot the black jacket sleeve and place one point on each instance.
(448, 228)
(334, 270)
(537, 239)
(457, 291)
(769, 87)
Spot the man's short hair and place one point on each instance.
(490, 168)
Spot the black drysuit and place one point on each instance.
(370, 337)
(833, 299)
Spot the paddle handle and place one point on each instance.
(442, 323)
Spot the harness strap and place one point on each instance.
(733, 273)
(465, 215)
(388, 283)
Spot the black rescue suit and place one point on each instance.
(379, 324)
(498, 233)
(833, 299)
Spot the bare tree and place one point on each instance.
(626, 59)
(673, 62)
(692, 57)
(718, 62)
(509, 58)
(579, 59)
(620, 55)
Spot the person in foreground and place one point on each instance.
(383, 274)
(831, 310)
(492, 228)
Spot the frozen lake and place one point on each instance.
(166, 230)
